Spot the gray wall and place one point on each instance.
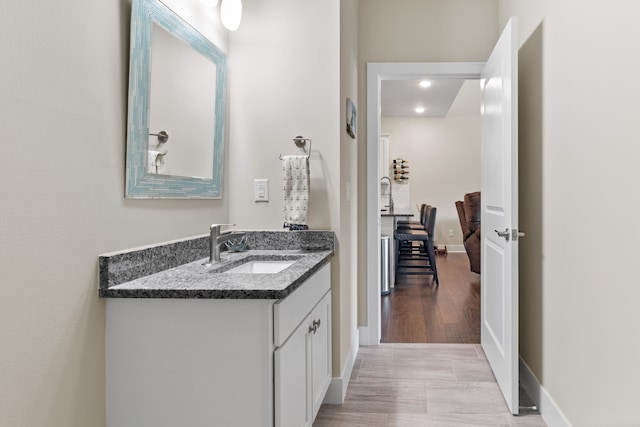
(578, 197)
(63, 105)
(285, 80)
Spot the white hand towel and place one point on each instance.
(295, 171)
(151, 161)
(155, 162)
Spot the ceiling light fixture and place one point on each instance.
(424, 83)
(231, 14)
(419, 110)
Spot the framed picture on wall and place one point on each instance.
(352, 120)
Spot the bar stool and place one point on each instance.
(407, 246)
(415, 225)
(420, 260)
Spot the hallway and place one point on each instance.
(430, 369)
(438, 385)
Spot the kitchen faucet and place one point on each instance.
(216, 239)
(390, 205)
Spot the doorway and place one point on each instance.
(499, 205)
(376, 73)
(433, 126)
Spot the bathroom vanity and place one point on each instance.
(196, 345)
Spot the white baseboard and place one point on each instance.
(338, 386)
(454, 248)
(363, 336)
(548, 408)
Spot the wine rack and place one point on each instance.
(400, 170)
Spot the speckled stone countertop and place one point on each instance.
(177, 269)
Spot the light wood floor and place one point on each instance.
(438, 385)
(415, 382)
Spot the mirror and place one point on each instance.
(177, 98)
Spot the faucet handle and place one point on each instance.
(214, 226)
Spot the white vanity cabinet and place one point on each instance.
(302, 368)
(219, 362)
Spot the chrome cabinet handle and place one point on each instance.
(314, 327)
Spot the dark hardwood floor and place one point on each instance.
(417, 312)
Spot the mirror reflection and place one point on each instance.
(182, 107)
(177, 97)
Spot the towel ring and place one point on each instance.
(300, 142)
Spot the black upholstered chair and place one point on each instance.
(421, 258)
(415, 225)
(412, 224)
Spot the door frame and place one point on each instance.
(376, 73)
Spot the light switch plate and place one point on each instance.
(261, 190)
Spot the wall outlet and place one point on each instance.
(450, 232)
(261, 190)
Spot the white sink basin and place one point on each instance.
(261, 267)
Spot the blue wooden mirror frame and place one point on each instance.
(139, 183)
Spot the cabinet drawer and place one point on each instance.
(291, 311)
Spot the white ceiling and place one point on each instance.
(445, 97)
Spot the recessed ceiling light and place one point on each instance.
(419, 110)
(424, 83)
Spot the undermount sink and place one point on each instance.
(261, 267)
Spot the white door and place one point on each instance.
(499, 300)
(320, 352)
(292, 376)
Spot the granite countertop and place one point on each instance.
(177, 269)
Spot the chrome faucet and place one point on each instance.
(390, 205)
(216, 239)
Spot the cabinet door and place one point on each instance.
(292, 377)
(320, 351)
